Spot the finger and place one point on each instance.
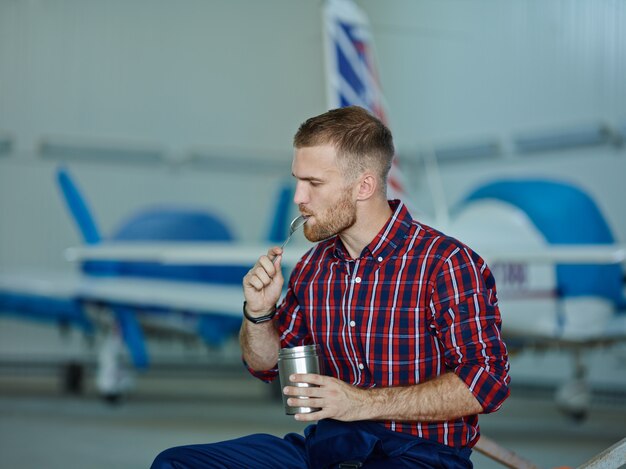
(255, 272)
(263, 276)
(307, 392)
(260, 271)
(312, 416)
(277, 260)
(258, 279)
(265, 262)
(274, 252)
(309, 378)
(256, 283)
(298, 402)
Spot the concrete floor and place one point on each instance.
(40, 427)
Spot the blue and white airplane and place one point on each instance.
(559, 283)
(139, 291)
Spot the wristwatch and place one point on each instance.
(260, 319)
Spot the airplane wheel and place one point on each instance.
(578, 416)
(73, 378)
(574, 399)
(112, 398)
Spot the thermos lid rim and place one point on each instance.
(301, 351)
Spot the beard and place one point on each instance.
(333, 221)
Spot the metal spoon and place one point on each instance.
(294, 226)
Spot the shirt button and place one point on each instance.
(352, 323)
(361, 366)
(357, 280)
(380, 259)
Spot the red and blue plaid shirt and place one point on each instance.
(415, 304)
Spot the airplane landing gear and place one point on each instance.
(574, 397)
(73, 378)
(113, 380)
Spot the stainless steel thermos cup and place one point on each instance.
(303, 359)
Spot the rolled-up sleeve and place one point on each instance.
(264, 375)
(467, 322)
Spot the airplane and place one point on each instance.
(128, 299)
(562, 285)
(140, 281)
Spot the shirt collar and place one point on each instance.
(388, 239)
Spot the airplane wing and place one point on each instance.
(59, 295)
(45, 296)
(533, 311)
(200, 297)
(42, 283)
(561, 254)
(185, 253)
(154, 294)
(236, 254)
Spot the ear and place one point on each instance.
(367, 187)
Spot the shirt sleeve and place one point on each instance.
(264, 375)
(466, 320)
(291, 325)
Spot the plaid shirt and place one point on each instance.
(415, 305)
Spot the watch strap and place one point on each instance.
(258, 320)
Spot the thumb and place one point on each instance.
(278, 260)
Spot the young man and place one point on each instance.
(406, 318)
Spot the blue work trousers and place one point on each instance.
(328, 444)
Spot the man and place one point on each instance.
(406, 318)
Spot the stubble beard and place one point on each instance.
(337, 218)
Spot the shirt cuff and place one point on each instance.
(490, 391)
(264, 375)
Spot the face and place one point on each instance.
(322, 193)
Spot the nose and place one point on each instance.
(301, 195)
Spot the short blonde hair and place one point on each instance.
(361, 140)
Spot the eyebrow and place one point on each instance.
(310, 178)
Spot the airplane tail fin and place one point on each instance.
(77, 205)
(351, 73)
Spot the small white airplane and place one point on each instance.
(558, 285)
(138, 291)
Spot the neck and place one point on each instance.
(372, 215)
